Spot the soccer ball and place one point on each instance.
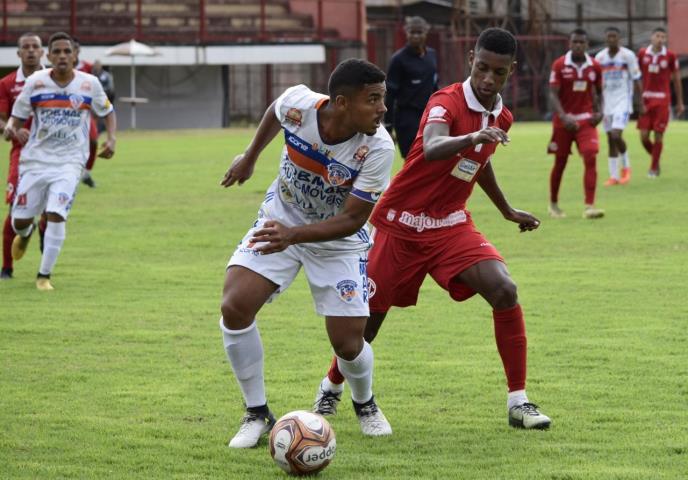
(302, 443)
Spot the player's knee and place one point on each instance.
(233, 316)
(347, 348)
(505, 295)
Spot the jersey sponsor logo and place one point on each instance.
(424, 222)
(580, 86)
(372, 288)
(466, 169)
(321, 149)
(654, 68)
(337, 174)
(437, 113)
(361, 153)
(76, 101)
(294, 116)
(347, 290)
(85, 87)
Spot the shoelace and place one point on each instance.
(246, 421)
(368, 410)
(328, 401)
(529, 409)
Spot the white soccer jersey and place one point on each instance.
(618, 74)
(61, 119)
(315, 178)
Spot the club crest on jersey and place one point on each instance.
(361, 153)
(63, 198)
(663, 64)
(347, 290)
(294, 116)
(592, 76)
(76, 101)
(85, 87)
(337, 174)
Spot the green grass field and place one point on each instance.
(120, 373)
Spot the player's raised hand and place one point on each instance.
(526, 221)
(490, 135)
(107, 150)
(240, 171)
(274, 236)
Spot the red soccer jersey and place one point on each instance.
(576, 84)
(10, 87)
(427, 199)
(84, 66)
(656, 69)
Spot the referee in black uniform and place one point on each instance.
(411, 79)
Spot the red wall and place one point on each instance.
(346, 16)
(678, 19)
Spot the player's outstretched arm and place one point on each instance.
(242, 166)
(108, 148)
(678, 90)
(488, 182)
(349, 221)
(439, 145)
(10, 130)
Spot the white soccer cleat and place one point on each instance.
(253, 426)
(326, 401)
(527, 415)
(373, 422)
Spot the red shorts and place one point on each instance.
(12, 175)
(656, 118)
(93, 132)
(586, 139)
(397, 267)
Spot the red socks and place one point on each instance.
(656, 153)
(92, 150)
(7, 237)
(555, 177)
(334, 374)
(647, 144)
(590, 177)
(510, 333)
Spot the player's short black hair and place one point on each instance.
(59, 36)
(612, 29)
(28, 35)
(352, 75)
(497, 40)
(416, 21)
(579, 31)
(659, 29)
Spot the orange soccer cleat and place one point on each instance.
(625, 176)
(611, 181)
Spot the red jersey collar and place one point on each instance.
(654, 55)
(475, 105)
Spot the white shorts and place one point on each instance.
(338, 283)
(45, 191)
(615, 121)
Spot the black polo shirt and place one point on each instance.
(411, 79)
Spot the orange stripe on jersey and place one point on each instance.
(321, 102)
(306, 163)
(59, 104)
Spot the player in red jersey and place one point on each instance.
(422, 227)
(659, 67)
(86, 177)
(575, 92)
(30, 52)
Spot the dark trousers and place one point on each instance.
(406, 122)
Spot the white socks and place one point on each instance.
(359, 374)
(327, 385)
(625, 160)
(516, 398)
(245, 352)
(53, 239)
(614, 167)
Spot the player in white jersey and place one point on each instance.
(620, 75)
(335, 164)
(60, 100)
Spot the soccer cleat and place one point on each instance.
(591, 212)
(611, 181)
(87, 180)
(253, 426)
(6, 274)
(373, 422)
(653, 174)
(19, 245)
(326, 402)
(625, 176)
(43, 283)
(555, 211)
(527, 415)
